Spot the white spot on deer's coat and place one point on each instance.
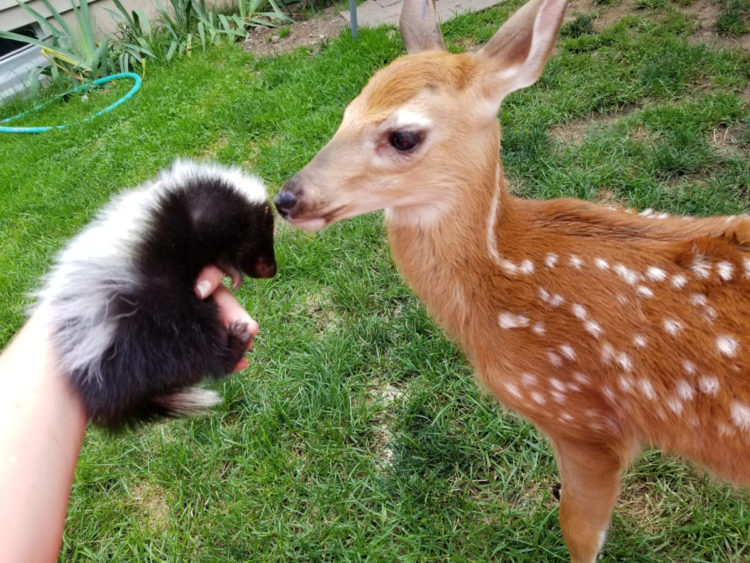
(727, 345)
(746, 264)
(579, 311)
(699, 300)
(701, 267)
(601, 263)
(544, 295)
(740, 415)
(656, 274)
(724, 430)
(556, 301)
(593, 328)
(551, 260)
(526, 267)
(678, 281)
(625, 383)
(538, 398)
(512, 389)
(640, 340)
(672, 326)
(625, 361)
(508, 266)
(509, 320)
(675, 405)
(528, 379)
(688, 366)
(709, 385)
(647, 389)
(685, 390)
(568, 351)
(538, 328)
(581, 378)
(576, 262)
(631, 277)
(607, 353)
(554, 359)
(644, 291)
(710, 314)
(557, 384)
(725, 270)
(607, 390)
(557, 396)
(565, 417)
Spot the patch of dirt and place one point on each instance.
(575, 132)
(152, 499)
(725, 141)
(704, 15)
(266, 42)
(603, 16)
(386, 395)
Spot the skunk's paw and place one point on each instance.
(238, 341)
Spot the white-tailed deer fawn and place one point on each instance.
(605, 328)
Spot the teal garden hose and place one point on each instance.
(98, 81)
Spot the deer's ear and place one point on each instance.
(515, 56)
(419, 26)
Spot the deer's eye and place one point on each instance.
(404, 140)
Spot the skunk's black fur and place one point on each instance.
(129, 330)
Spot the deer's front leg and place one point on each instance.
(590, 474)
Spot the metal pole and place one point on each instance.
(353, 17)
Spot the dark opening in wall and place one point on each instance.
(7, 46)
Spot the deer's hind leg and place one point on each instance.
(590, 475)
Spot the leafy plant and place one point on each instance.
(178, 25)
(137, 39)
(582, 25)
(73, 50)
(190, 21)
(252, 15)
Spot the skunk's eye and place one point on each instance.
(404, 140)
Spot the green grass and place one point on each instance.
(357, 432)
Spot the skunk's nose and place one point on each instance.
(265, 269)
(286, 199)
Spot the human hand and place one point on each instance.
(230, 311)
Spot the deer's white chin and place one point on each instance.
(309, 224)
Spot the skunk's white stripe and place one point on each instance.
(190, 402)
(99, 261)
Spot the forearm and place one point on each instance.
(41, 428)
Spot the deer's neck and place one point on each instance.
(445, 259)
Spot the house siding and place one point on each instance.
(12, 16)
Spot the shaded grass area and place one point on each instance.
(311, 456)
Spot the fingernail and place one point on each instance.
(203, 287)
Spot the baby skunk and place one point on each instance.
(128, 328)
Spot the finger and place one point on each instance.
(231, 311)
(208, 280)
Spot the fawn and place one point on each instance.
(604, 328)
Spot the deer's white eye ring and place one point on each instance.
(404, 140)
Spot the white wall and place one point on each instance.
(12, 16)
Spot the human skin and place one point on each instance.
(42, 422)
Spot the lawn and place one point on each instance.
(357, 432)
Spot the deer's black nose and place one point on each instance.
(286, 199)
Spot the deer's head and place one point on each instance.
(425, 127)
